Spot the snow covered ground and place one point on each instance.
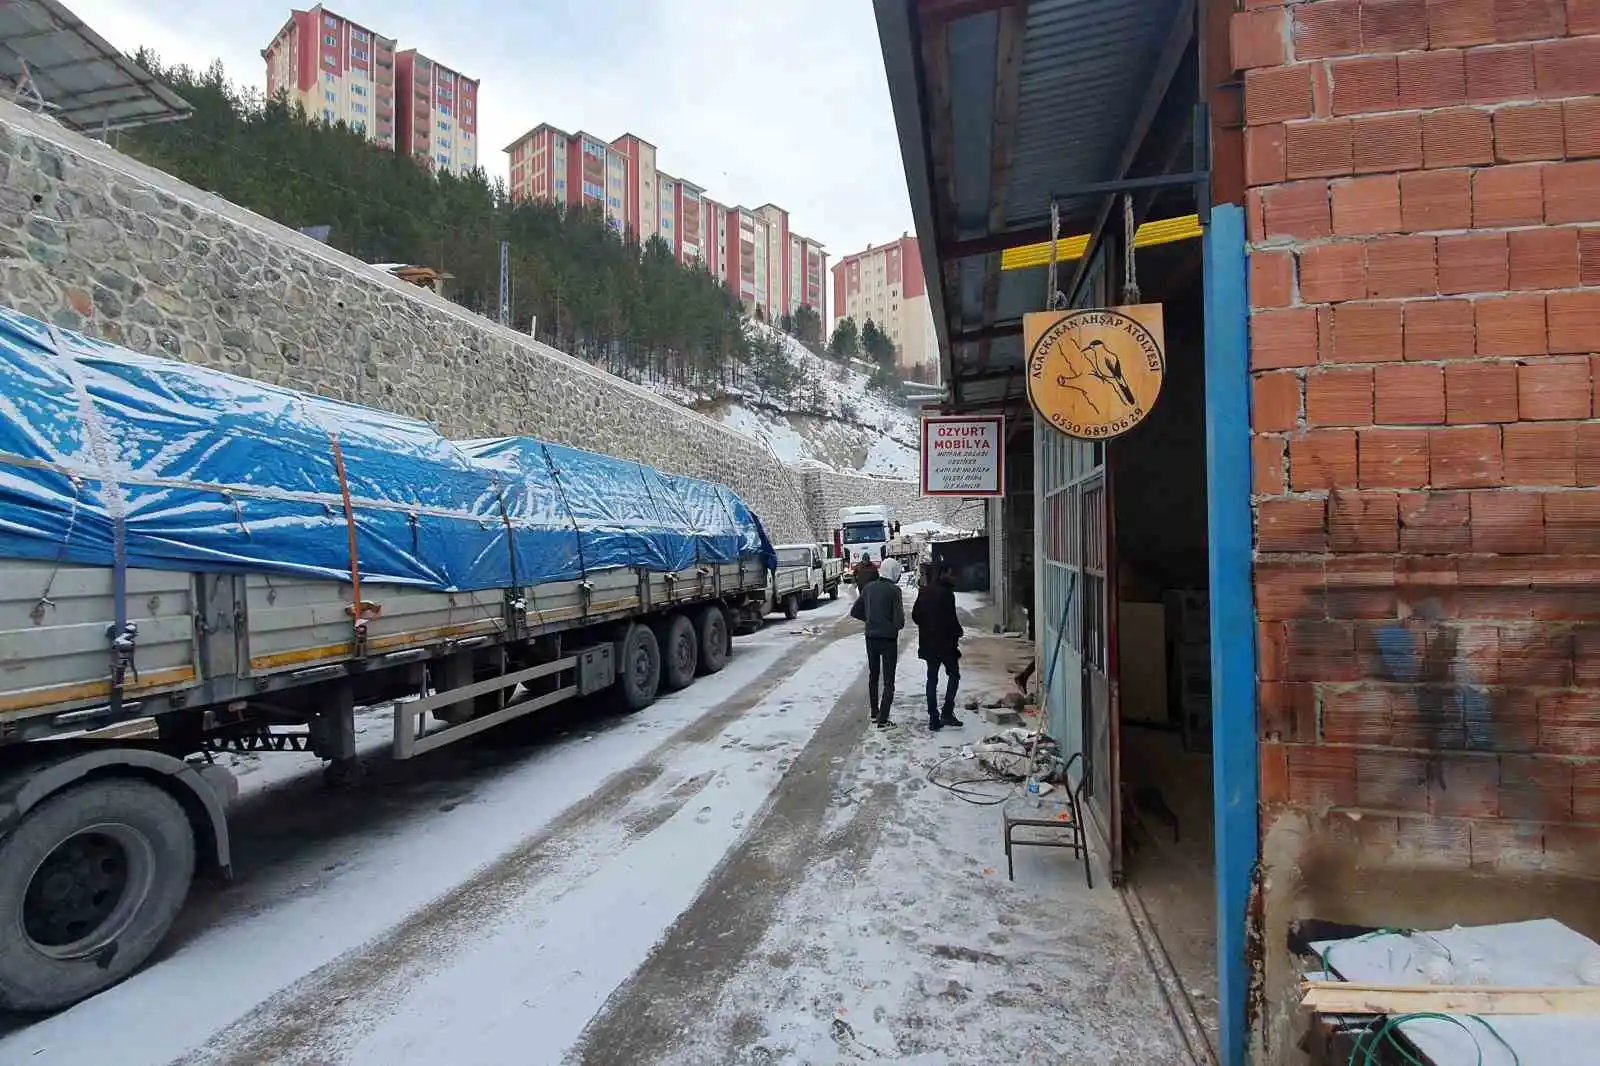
(743, 873)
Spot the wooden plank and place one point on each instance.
(1351, 997)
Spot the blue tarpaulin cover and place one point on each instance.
(203, 470)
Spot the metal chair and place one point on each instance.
(1063, 817)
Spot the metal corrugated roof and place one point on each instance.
(1079, 71)
(48, 55)
(1085, 64)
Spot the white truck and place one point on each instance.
(804, 575)
(870, 532)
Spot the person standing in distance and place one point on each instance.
(939, 642)
(882, 610)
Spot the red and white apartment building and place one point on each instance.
(753, 252)
(341, 71)
(438, 112)
(885, 283)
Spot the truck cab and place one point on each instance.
(865, 533)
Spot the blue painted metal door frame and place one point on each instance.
(1233, 666)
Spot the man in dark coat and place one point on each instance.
(880, 606)
(938, 642)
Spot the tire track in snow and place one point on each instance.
(644, 1018)
(330, 1008)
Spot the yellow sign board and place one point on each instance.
(1095, 373)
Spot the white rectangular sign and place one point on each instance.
(963, 456)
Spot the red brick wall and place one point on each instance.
(1424, 214)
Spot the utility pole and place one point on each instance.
(505, 283)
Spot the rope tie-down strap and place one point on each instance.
(360, 610)
(122, 635)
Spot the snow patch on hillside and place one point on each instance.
(833, 417)
(829, 416)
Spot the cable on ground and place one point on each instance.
(963, 788)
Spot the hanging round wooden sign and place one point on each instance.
(1095, 373)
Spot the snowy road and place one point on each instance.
(597, 889)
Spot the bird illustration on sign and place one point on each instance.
(1101, 364)
(1095, 373)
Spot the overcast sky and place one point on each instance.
(780, 101)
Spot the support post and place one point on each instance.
(333, 735)
(1235, 757)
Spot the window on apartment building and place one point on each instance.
(330, 96)
(327, 115)
(330, 21)
(444, 160)
(444, 142)
(328, 77)
(360, 109)
(358, 89)
(331, 41)
(359, 35)
(358, 126)
(444, 109)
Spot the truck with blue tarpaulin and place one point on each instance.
(192, 561)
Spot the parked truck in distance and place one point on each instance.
(869, 532)
(193, 562)
(805, 573)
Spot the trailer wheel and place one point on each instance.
(639, 672)
(713, 639)
(89, 884)
(680, 653)
(791, 606)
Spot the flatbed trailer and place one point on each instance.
(117, 683)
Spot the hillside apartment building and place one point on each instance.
(884, 283)
(751, 251)
(341, 71)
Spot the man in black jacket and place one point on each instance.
(939, 642)
(879, 605)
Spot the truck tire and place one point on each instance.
(639, 668)
(791, 606)
(680, 653)
(89, 884)
(833, 592)
(713, 639)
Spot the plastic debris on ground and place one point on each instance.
(1542, 953)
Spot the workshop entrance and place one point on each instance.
(1126, 641)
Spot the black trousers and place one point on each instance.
(952, 672)
(882, 656)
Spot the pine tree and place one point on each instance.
(631, 307)
(846, 341)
